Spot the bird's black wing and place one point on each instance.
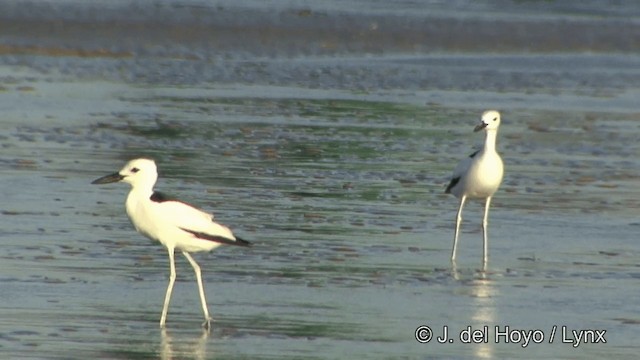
(453, 183)
(218, 239)
(160, 197)
(459, 171)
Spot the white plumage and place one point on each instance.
(175, 224)
(478, 177)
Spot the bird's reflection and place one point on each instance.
(484, 295)
(184, 346)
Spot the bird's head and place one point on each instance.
(490, 120)
(137, 172)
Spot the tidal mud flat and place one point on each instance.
(325, 134)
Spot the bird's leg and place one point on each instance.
(485, 223)
(455, 235)
(172, 279)
(196, 268)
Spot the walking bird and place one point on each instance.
(173, 223)
(478, 177)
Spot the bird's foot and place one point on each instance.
(207, 323)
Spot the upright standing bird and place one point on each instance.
(478, 176)
(175, 224)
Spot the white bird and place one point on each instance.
(175, 224)
(478, 177)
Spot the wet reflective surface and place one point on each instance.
(331, 159)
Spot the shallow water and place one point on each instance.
(333, 163)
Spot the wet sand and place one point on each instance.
(326, 135)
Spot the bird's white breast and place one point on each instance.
(484, 175)
(142, 215)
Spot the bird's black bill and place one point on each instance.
(111, 178)
(480, 127)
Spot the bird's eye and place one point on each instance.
(134, 170)
(495, 119)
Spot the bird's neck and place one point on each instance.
(141, 192)
(490, 141)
